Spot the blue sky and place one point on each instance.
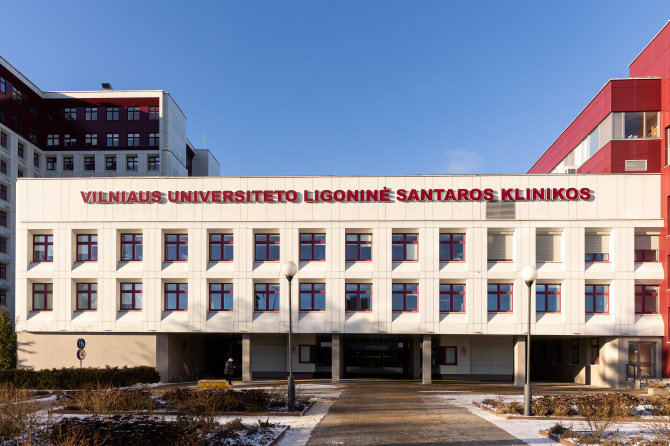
(345, 87)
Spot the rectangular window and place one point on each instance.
(89, 163)
(597, 247)
(452, 247)
(358, 297)
(153, 139)
(17, 96)
(19, 173)
(87, 296)
(548, 298)
(3, 140)
(500, 210)
(3, 85)
(446, 355)
(220, 247)
(110, 162)
(3, 245)
(91, 140)
(69, 140)
(266, 297)
(91, 113)
(405, 297)
(70, 114)
(87, 247)
(33, 108)
(153, 162)
(548, 246)
(32, 136)
(306, 355)
(500, 246)
(36, 160)
(595, 351)
(3, 218)
(112, 113)
(133, 139)
(312, 297)
(312, 247)
(133, 113)
(17, 124)
(21, 150)
(3, 166)
(452, 298)
(646, 247)
(176, 296)
(131, 162)
(131, 296)
(131, 247)
(3, 271)
(52, 115)
(112, 140)
(3, 298)
(176, 247)
(153, 113)
(405, 247)
(359, 247)
(220, 297)
(3, 192)
(267, 247)
(3, 114)
(68, 163)
(597, 298)
(646, 299)
(499, 297)
(42, 296)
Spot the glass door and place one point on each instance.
(642, 355)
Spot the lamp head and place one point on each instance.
(288, 269)
(529, 274)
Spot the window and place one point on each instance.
(3, 271)
(131, 296)
(153, 113)
(597, 298)
(636, 125)
(452, 247)
(17, 96)
(87, 247)
(452, 298)
(176, 296)
(405, 297)
(112, 113)
(446, 355)
(153, 139)
(3, 218)
(3, 85)
(574, 352)
(3, 140)
(133, 113)
(32, 136)
(646, 298)
(597, 247)
(306, 355)
(68, 163)
(646, 247)
(112, 140)
(312, 247)
(33, 108)
(133, 139)
(358, 296)
(91, 113)
(131, 247)
(3, 298)
(359, 247)
(3, 245)
(548, 246)
(17, 124)
(110, 162)
(153, 162)
(267, 247)
(220, 297)
(70, 114)
(548, 298)
(42, 296)
(87, 296)
(21, 150)
(52, 140)
(405, 247)
(312, 297)
(3, 166)
(89, 163)
(500, 246)
(36, 160)
(220, 247)
(91, 139)
(19, 173)
(131, 162)
(3, 114)
(266, 297)
(500, 210)
(176, 247)
(52, 114)
(499, 297)
(3, 192)
(595, 351)
(69, 141)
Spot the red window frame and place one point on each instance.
(269, 293)
(354, 240)
(591, 293)
(134, 289)
(447, 240)
(266, 243)
(442, 355)
(597, 257)
(90, 292)
(450, 292)
(48, 244)
(404, 241)
(405, 291)
(224, 291)
(499, 292)
(312, 292)
(225, 240)
(180, 241)
(153, 113)
(311, 246)
(132, 162)
(642, 292)
(542, 294)
(46, 291)
(310, 359)
(134, 241)
(89, 247)
(357, 291)
(180, 290)
(646, 255)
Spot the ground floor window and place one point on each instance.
(447, 355)
(306, 354)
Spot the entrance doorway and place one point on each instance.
(642, 355)
(377, 356)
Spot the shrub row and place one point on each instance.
(74, 378)
(611, 404)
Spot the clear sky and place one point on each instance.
(345, 87)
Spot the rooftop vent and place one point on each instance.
(106, 86)
(636, 165)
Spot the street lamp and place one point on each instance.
(528, 275)
(288, 269)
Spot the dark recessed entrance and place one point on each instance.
(377, 356)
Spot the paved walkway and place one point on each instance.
(402, 413)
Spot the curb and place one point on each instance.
(279, 437)
(556, 438)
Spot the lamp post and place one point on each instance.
(288, 269)
(528, 275)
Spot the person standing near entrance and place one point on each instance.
(228, 370)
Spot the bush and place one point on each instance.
(105, 400)
(599, 412)
(78, 378)
(17, 416)
(7, 340)
(211, 401)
